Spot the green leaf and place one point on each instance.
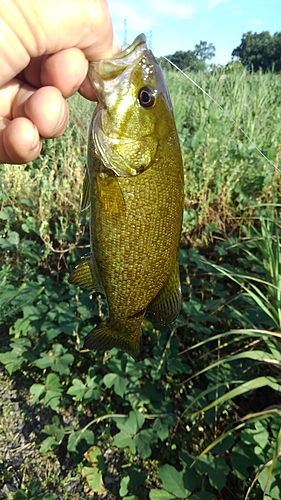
(256, 436)
(80, 441)
(123, 440)
(172, 481)
(52, 399)
(20, 327)
(27, 201)
(54, 390)
(120, 383)
(37, 390)
(56, 359)
(95, 457)
(124, 486)
(242, 458)
(270, 481)
(215, 468)
(77, 389)
(30, 224)
(85, 312)
(161, 426)
(11, 361)
(94, 479)
(144, 440)
(51, 329)
(13, 238)
(131, 424)
(161, 495)
(203, 495)
(137, 479)
(47, 444)
(5, 214)
(56, 430)
(68, 326)
(53, 382)
(21, 351)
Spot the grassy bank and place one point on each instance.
(198, 416)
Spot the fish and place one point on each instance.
(134, 187)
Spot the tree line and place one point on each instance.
(257, 52)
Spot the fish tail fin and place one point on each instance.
(106, 336)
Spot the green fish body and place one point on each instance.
(134, 187)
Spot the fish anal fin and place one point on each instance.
(111, 196)
(86, 275)
(85, 198)
(105, 336)
(165, 307)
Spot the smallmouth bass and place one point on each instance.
(134, 187)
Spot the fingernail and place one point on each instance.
(62, 119)
(36, 140)
(116, 44)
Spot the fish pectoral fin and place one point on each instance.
(85, 198)
(111, 196)
(86, 276)
(106, 336)
(165, 307)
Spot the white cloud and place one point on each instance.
(180, 10)
(184, 10)
(254, 21)
(213, 3)
(145, 14)
(235, 9)
(136, 18)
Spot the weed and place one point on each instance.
(198, 416)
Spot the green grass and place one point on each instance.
(198, 416)
(223, 171)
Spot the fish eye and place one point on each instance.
(146, 97)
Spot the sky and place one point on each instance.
(172, 25)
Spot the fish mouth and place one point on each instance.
(108, 69)
(138, 41)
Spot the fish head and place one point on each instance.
(134, 110)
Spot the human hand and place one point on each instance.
(44, 52)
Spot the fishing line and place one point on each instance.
(225, 112)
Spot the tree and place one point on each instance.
(183, 59)
(192, 59)
(203, 51)
(259, 51)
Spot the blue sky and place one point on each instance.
(180, 24)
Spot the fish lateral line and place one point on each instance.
(226, 113)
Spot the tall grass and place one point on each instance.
(197, 388)
(223, 171)
(43, 197)
(258, 341)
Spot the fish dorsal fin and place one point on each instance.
(86, 275)
(111, 196)
(85, 198)
(167, 303)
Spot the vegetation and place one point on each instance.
(260, 51)
(256, 52)
(195, 60)
(198, 416)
